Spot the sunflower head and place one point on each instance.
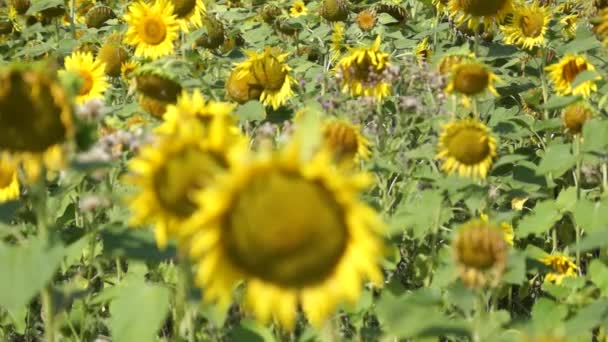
(562, 267)
(113, 55)
(466, 147)
(475, 12)
(9, 182)
(298, 8)
(189, 13)
(35, 110)
(362, 70)
(313, 252)
(447, 62)
(152, 28)
(127, 69)
(345, 141)
(600, 26)
(528, 26)
(153, 106)
(563, 75)
(471, 79)
(157, 83)
(21, 6)
(98, 15)
(242, 88)
(480, 252)
(366, 20)
(215, 35)
(574, 117)
(423, 50)
(334, 10)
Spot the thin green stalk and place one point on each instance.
(476, 43)
(72, 16)
(604, 177)
(543, 81)
(475, 108)
(181, 296)
(577, 155)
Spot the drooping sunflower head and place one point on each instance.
(600, 25)
(562, 267)
(157, 83)
(334, 10)
(189, 13)
(423, 50)
(471, 79)
(168, 171)
(194, 106)
(91, 73)
(21, 6)
(152, 28)
(9, 182)
(448, 61)
(361, 71)
(366, 20)
(528, 26)
(215, 35)
(113, 55)
(314, 251)
(267, 72)
(298, 8)
(345, 141)
(242, 88)
(98, 15)
(475, 12)
(574, 117)
(480, 251)
(467, 147)
(563, 75)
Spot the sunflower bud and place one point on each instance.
(113, 55)
(575, 116)
(481, 252)
(215, 33)
(242, 89)
(98, 15)
(366, 20)
(334, 10)
(158, 86)
(21, 6)
(6, 27)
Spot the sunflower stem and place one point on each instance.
(605, 178)
(543, 81)
(476, 43)
(577, 155)
(72, 16)
(181, 295)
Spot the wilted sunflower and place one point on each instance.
(35, 116)
(361, 71)
(170, 169)
(475, 12)
(345, 140)
(467, 147)
(268, 72)
(152, 29)
(574, 117)
(563, 74)
(294, 229)
(471, 79)
(562, 266)
(194, 106)
(528, 26)
(91, 73)
(480, 252)
(600, 26)
(298, 8)
(189, 13)
(9, 183)
(423, 50)
(113, 55)
(507, 229)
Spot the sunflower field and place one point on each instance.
(292, 170)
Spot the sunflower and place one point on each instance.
(570, 23)
(600, 26)
(298, 8)
(195, 106)
(91, 72)
(35, 116)
(467, 147)
(480, 251)
(366, 20)
(337, 37)
(441, 5)
(152, 29)
(562, 266)
(423, 50)
(361, 71)
(471, 79)
(475, 12)
(528, 26)
(507, 229)
(345, 140)
(294, 229)
(575, 115)
(9, 183)
(189, 13)
(563, 74)
(127, 68)
(268, 72)
(448, 61)
(167, 171)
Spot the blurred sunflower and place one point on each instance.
(9, 183)
(189, 13)
(423, 50)
(313, 251)
(528, 26)
(345, 140)
(448, 61)
(507, 229)
(600, 26)
(152, 29)
(92, 73)
(563, 74)
(337, 37)
(471, 79)
(441, 6)
(195, 106)
(81, 7)
(475, 12)
(168, 171)
(268, 72)
(35, 117)
(127, 68)
(361, 71)
(575, 115)
(298, 8)
(366, 20)
(480, 252)
(570, 23)
(467, 148)
(562, 266)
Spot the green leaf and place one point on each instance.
(25, 270)
(559, 102)
(7, 210)
(420, 214)
(598, 273)
(587, 75)
(557, 160)
(546, 314)
(579, 45)
(138, 312)
(566, 200)
(595, 239)
(544, 215)
(134, 243)
(591, 215)
(594, 135)
(587, 318)
(249, 330)
(516, 268)
(40, 5)
(251, 111)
